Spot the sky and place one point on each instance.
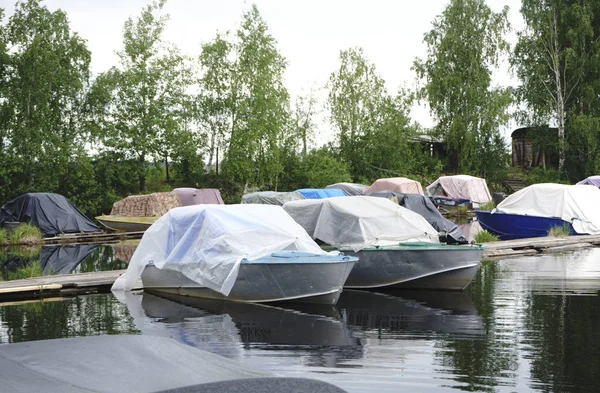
(310, 34)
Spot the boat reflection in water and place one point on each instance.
(314, 334)
(417, 313)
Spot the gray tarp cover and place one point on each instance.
(349, 188)
(52, 213)
(112, 364)
(271, 197)
(423, 205)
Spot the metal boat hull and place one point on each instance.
(318, 282)
(427, 266)
(516, 226)
(127, 224)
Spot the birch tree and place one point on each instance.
(463, 48)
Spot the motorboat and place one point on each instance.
(271, 197)
(535, 210)
(126, 224)
(248, 253)
(136, 213)
(459, 190)
(397, 247)
(401, 185)
(449, 231)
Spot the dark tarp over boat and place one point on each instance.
(52, 213)
(423, 205)
(195, 196)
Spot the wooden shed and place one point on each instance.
(535, 147)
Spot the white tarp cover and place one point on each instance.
(461, 186)
(271, 197)
(349, 188)
(360, 221)
(206, 243)
(576, 204)
(400, 185)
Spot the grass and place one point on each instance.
(489, 206)
(23, 234)
(559, 231)
(460, 211)
(485, 237)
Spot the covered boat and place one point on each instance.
(396, 246)
(52, 213)
(198, 196)
(534, 210)
(401, 185)
(251, 253)
(349, 189)
(592, 180)
(138, 212)
(459, 190)
(271, 197)
(320, 193)
(449, 231)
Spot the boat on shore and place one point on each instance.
(535, 210)
(126, 224)
(397, 247)
(248, 253)
(459, 191)
(136, 213)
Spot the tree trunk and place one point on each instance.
(167, 167)
(142, 173)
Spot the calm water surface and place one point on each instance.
(526, 324)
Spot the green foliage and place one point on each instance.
(459, 212)
(489, 206)
(540, 175)
(559, 231)
(3, 236)
(463, 47)
(141, 108)
(485, 237)
(43, 75)
(323, 168)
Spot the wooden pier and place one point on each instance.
(59, 285)
(536, 245)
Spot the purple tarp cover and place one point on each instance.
(195, 196)
(592, 180)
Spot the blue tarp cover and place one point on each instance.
(320, 193)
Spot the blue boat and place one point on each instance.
(518, 226)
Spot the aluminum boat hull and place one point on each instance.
(415, 265)
(320, 281)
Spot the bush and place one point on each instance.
(3, 236)
(485, 237)
(540, 175)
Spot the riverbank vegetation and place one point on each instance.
(24, 234)
(159, 119)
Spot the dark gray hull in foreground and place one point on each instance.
(316, 282)
(419, 265)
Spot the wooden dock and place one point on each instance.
(536, 245)
(59, 285)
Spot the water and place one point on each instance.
(526, 324)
